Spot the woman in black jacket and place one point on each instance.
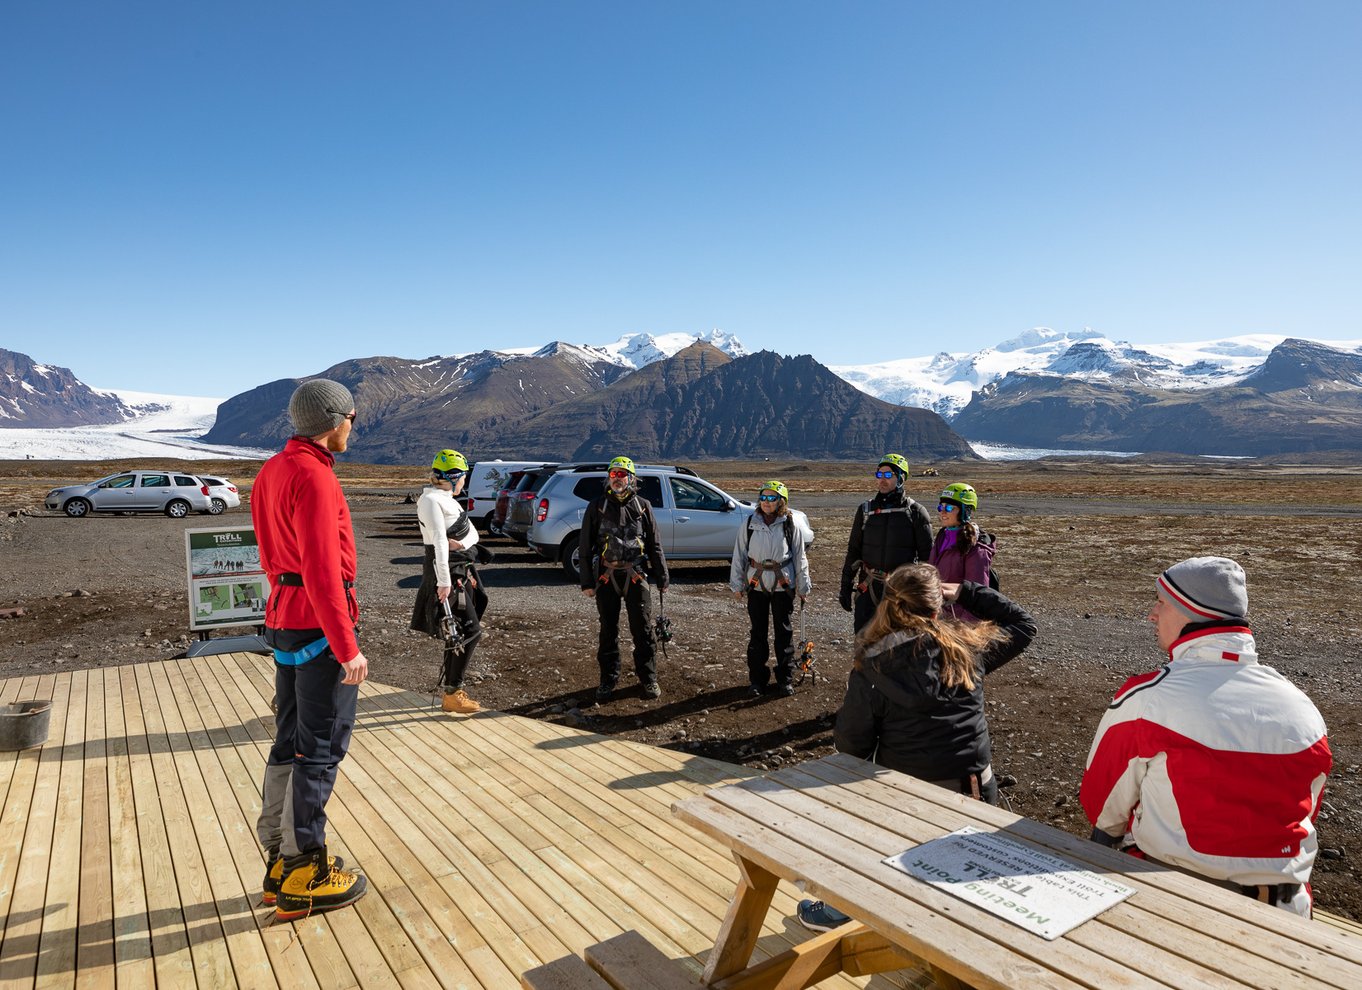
(915, 698)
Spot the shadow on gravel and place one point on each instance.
(523, 575)
(812, 732)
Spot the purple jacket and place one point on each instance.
(955, 567)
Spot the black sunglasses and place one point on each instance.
(349, 416)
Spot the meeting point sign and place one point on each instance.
(227, 586)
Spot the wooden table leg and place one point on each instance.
(742, 924)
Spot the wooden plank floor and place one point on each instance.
(492, 844)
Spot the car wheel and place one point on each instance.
(177, 509)
(571, 554)
(217, 508)
(76, 507)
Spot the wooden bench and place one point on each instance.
(831, 823)
(625, 962)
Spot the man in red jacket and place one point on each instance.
(307, 547)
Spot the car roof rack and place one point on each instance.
(585, 468)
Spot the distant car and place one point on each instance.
(695, 520)
(223, 494)
(500, 513)
(172, 492)
(486, 479)
(520, 513)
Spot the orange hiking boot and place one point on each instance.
(274, 877)
(312, 885)
(459, 703)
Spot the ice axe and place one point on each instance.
(806, 660)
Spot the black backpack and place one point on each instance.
(990, 540)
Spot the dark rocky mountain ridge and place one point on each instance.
(38, 396)
(408, 405)
(1305, 397)
(701, 403)
(560, 404)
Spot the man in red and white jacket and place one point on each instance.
(1214, 763)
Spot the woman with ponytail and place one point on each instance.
(915, 697)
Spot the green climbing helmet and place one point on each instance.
(449, 464)
(961, 494)
(775, 486)
(898, 462)
(624, 463)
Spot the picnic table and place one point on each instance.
(831, 823)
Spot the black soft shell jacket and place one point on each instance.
(887, 540)
(898, 713)
(591, 539)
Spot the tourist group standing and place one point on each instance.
(1213, 764)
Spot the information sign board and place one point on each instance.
(227, 586)
(1044, 894)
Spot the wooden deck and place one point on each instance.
(492, 844)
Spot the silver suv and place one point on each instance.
(695, 520)
(172, 492)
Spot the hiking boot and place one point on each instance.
(313, 884)
(652, 690)
(818, 917)
(756, 691)
(606, 689)
(459, 703)
(783, 690)
(274, 876)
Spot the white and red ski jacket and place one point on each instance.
(1214, 763)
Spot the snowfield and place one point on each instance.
(162, 426)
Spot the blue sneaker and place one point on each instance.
(818, 917)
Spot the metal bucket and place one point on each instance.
(24, 724)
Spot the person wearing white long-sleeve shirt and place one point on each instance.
(771, 568)
(446, 531)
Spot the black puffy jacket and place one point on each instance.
(898, 713)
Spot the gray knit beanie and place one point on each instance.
(319, 405)
(1205, 589)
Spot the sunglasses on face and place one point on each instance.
(943, 507)
(885, 474)
(349, 416)
(773, 497)
(619, 474)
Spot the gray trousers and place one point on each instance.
(275, 824)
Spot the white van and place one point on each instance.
(485, 479)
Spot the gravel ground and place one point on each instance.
(110, 590)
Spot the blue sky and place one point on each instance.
(199, 198)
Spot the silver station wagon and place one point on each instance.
(695, 519)
(173, 492)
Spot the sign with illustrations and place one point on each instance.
(227, 586)
(1044, 894)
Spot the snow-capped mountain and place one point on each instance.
(637, 350)
(945, 382)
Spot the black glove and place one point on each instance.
(844, 599)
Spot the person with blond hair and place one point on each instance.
(915, 696)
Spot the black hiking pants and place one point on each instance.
(316, 714)
(638, 603)
(777, 608)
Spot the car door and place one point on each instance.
(118, 494)
(703, 520)
(650, 490)
(154, 491)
